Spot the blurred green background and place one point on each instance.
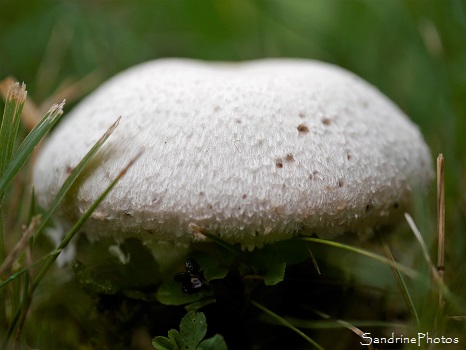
(413, 51)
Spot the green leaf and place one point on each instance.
(170, 293)
(193, 328)
(176, 339)
(213, 266)
(215, 343)
(273, 259)
(162, 343)
(196, 306)
(289, 251)
(275, 274)
(215, 273)
(229, 247)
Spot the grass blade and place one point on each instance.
(443, 289)
(403, 287)
(421, 241)
(21, 312)
(14, 104)
(408, 271)
(287, 324)
(79, 223)
(19, 273)
(25, 150)
(313, 259)
(28, 145)
(347, 325)
(75, 173)
(329, 323)
(66, 186)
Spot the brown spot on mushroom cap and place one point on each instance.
(303, 129)
(314, 175)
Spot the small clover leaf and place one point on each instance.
(176, 339)
(214, 343)
(193, 328)
(162, 343)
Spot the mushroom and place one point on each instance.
(254, 152)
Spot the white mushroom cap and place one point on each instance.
(255, 152)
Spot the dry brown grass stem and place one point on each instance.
(21, 245)
(72, 90)
(31, 113)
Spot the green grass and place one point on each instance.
(12, 162)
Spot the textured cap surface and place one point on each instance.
(254, 152)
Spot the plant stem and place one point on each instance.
(287, 324)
